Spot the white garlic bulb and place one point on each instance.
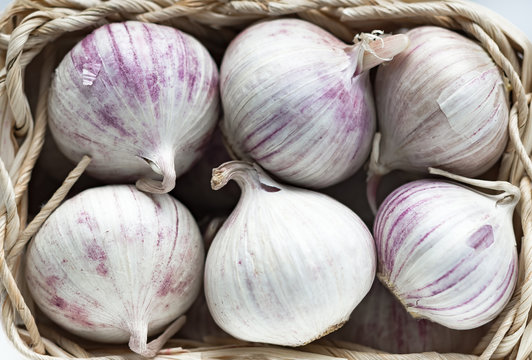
(448, 252)
(289, 265)
(141, 99)
(298, 101)
(113, 263)
(442, 103)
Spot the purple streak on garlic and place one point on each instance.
(442, 103)
(448, 252)
(298, 101)
(141, 99)
(114, 264)
(289, 265)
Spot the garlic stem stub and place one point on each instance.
(114, 264)
(298, 101)
(448, 252)
(442, 103)
(141, 99)
(289, 265)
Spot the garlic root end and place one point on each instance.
(329, 330)
(384, 280)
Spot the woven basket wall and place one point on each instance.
(50, 27)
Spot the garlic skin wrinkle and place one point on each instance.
(441, 103)
(448, 252)
(114, 264)
(289, 265)
(298, 101)
(141, 99)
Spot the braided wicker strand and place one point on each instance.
(29, 26)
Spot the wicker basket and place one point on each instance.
(31, 27)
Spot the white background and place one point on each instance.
(517, 11)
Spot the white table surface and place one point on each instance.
(517, 11)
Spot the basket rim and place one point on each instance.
(27, 28)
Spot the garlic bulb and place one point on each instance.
(141, 99)
(448, 252)
(298, 101)
(289, 265)
(113, 264)
(442, 103)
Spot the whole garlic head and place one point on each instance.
(141, 99)
(442, 103)
(298, 101)
(114, 264)
(448, 252)
(289, 265)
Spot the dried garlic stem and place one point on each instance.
(510, 194)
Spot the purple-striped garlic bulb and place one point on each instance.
(141, 99)
(289, 265)
(298, 101)
(448, 252)
(440, 103)
(114, 264)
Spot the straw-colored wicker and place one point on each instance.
(30, 27)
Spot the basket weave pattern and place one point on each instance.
(31, 27)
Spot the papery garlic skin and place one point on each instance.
(295, 103)
(114, 264)
(141, 99)
(447, 252)
(289, 265)
(442, 103)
